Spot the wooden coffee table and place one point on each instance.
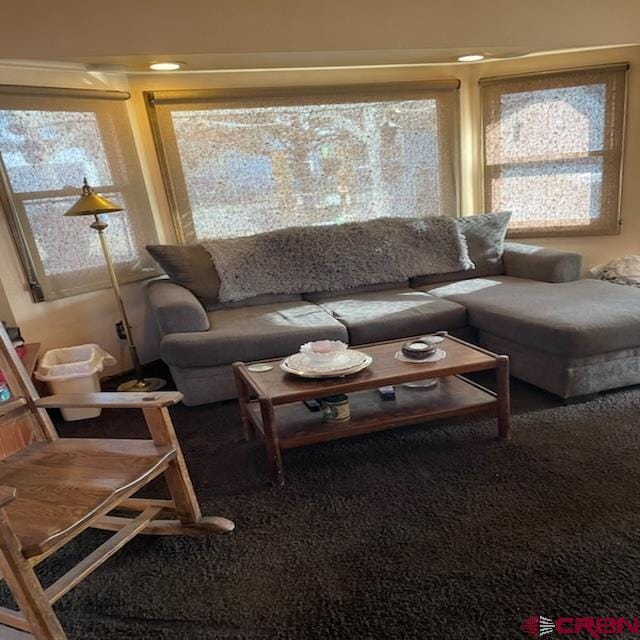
(271, 402)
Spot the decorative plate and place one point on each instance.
(344, 360)
(260, 368)
(438, 355)
(299, 365)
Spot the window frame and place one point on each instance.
(13, 203)
(384, 90)
(615, 223)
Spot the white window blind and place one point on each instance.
(553, 150)
(50, 139)
(239, 164)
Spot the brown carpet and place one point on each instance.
(422, 532)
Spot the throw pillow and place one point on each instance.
(191, 267)
(485, 234)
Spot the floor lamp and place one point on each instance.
(93, 204)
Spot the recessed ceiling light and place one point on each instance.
(472, 57)
(165, 66)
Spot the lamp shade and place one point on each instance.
(91, 203)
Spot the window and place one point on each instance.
(50, 139)
(242, 163)
(553, 150)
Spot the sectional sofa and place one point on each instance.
(570, 336)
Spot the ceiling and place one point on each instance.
(220, 34)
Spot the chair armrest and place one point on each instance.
(539, 263)
(113, 400)
(176, 309)
(7, 495)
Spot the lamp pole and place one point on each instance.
(91, 203)
(100, 226)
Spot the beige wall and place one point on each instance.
(90, 317)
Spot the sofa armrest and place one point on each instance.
(176, 309)
(539, 263)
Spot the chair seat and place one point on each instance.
(62, 486)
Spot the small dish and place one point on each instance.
(438, 355)
(260, 368)
(338, 361)
(324, 351)
(418, 350)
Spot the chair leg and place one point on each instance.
(25, 586)
(177, 476)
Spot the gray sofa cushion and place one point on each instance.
(485, 234)
(399, 313)
(190, 266)
(252, 333)
(576, 319)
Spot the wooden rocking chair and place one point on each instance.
(52, 489)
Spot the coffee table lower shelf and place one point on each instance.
(297, 426)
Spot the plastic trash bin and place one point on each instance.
(74, 370)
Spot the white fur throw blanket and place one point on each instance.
(624, 270)
(336, 257)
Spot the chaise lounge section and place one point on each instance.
(573, 338)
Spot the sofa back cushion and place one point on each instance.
(337, 257)
(485, 234)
